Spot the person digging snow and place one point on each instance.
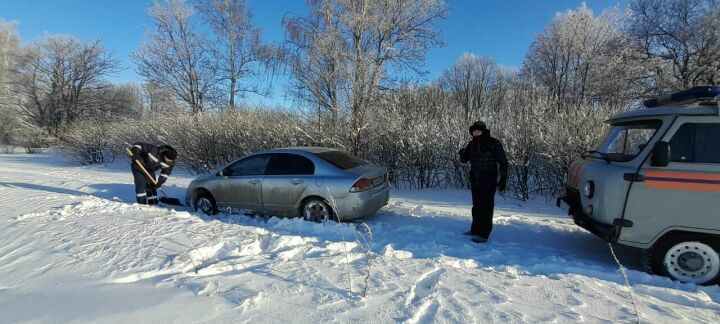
(486, 156)
(153, 158)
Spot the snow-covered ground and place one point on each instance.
(74, 247)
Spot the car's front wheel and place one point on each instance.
(317, 210)
(686, 258)
(205, 203)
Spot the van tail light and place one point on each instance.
(361, 185)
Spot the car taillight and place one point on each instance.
(361, 185)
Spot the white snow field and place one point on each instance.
(75, 248)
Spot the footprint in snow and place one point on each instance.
(425, 286)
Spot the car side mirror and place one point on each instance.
(224, 173)
(660, 154)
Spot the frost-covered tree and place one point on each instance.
(240, 54)
(314, 56)
(157, 99)
(120, 100)
(678, 41)
(520, 125)
(9, 45)
(470, 81)
(175, 55)
(581, 57)
(340, 53)
(59, 80)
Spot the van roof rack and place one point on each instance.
(692, 95)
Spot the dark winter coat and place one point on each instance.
(151, 158)
(487, 158)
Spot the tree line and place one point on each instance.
(356, 70)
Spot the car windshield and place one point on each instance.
(624, 141)
(341, 160)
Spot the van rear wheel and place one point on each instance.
(686, 258)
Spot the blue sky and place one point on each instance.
(500, 29)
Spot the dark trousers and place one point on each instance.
(483, 197)
(145, 192)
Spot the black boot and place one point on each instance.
(142, 198)
(479, 239)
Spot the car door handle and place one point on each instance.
(254, 181)
(297, 181)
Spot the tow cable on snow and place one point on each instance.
(627, 282)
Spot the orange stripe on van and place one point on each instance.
(683, 175)
(574, 174)
(682, 186)
(688, 181)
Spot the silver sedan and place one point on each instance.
(313, 182)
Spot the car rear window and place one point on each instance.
(341, 160)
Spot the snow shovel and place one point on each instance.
(165, 200)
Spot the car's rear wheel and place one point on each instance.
(317, 210)
(686, 258)
(205, 203)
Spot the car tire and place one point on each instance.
(317, 210)
(205, 203)
(686, 258)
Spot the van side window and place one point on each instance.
(682, 148)
(707, 141)
(696, 143)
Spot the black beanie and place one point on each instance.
(168, 152)
(478, 125)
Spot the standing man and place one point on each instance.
(485, 154)
(152, 158)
